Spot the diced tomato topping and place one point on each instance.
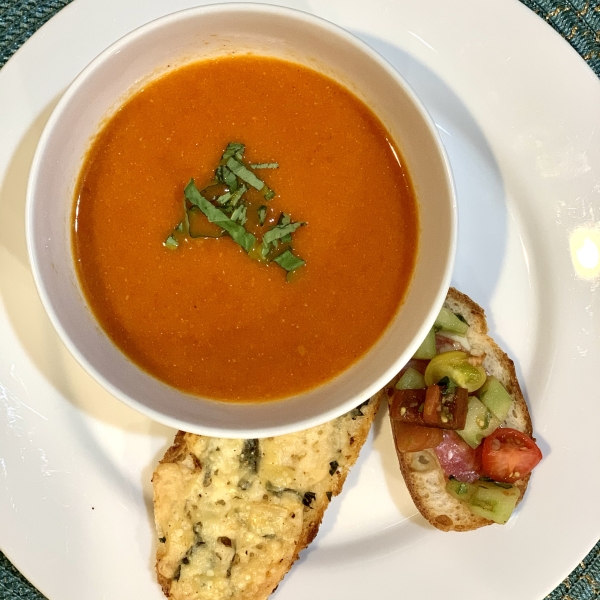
(457, 458)
(407, 406)
(433, 405)
(413, 438)
(508, 455)
(445, 408)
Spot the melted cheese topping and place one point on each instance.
(230, 513)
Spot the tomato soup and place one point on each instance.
(205, 317)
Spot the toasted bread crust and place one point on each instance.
(180, 481)
(422, 472)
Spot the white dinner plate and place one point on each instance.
(519, 113)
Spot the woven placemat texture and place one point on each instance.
(578, 21)
(20, 19)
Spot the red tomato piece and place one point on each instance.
(433, 406)
(508, 455)
(445, 409)
(458, 459)
(409, 437)
(407, 406)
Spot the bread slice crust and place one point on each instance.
(232, 516)
(422, 472)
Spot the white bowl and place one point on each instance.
(207, 32)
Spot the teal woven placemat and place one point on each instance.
(578, 21)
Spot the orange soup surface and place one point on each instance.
(204, 317)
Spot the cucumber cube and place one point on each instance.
(427, 349)
(448, 321)
(493, 394)
(480, 423)
(486, 499)
(411, 380)
(493, 502)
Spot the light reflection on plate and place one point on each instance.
(585, 251)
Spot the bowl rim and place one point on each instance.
(32, 244)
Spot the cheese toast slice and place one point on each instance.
(421, 470)
(232, 516)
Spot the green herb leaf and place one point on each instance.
(262, 214)
(244, 174)
(233, 149)
(272, 165)
(171, 243)
(281, 231)
(226, 176)
(224, 198)
(235, 197)
(223, 204)
(239, 235)
(239, 215)
(289, 261)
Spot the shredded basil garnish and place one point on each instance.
(226, 176)
(280, 232)
(244, 174)
(262, 214)
(239, 235)
(234, 149)
(289, 261)
(272, 165)
(171, 242)
(239, 215)
(224, 198)
(223, 202)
